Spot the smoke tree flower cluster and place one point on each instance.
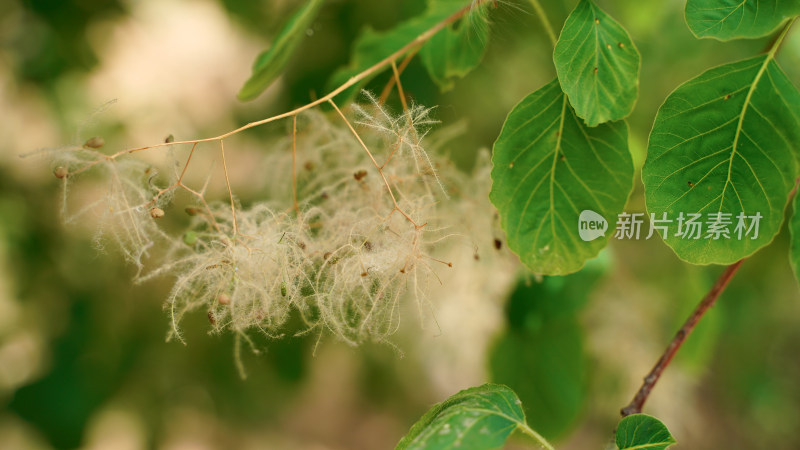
(358, 213)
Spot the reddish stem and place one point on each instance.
(635, 406)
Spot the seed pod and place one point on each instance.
(211, 317)
(95, 142)
(169, 139)
(60, 172)
(330, 258)
(156, 213)
(283, 289)
(360, 175)
(192, 211)
(190, 238)
(223, 299)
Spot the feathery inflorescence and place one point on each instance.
(343, 261)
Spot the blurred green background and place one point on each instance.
(83, 361)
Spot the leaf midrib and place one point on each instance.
(738, 132)
(486, 411)
(649, 445)
(722, 20)
(553, 169)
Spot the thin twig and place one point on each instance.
(635, 406)
(186, 166)
(355, 79)
(402, 95)
(389, 158)
(230, 192)
(294, 164)
(377, 166)
(400, 88)
(390, 84)
(409, 50)
(202, 199)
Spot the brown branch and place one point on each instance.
(186, 166)
(409, 50)
(635, 406)
(375, 163)
(405, 110)
(390, 84)
(294, 164)
(400, 88)
(230, 192)
(411, 46)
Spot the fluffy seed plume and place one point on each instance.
(372, 211)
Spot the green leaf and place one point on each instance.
(640, 431)
(549, 375)
(453, 52)
(794, 232)
(725, 142)
(476, 418)
(532, 304)
(270, 63)
(371, 46)
(547, 368)
(548, 167)
(597, 65)
(733, 19)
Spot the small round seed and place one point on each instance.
(94, 142)
(223, 299)
(190, 238)
(60, 172)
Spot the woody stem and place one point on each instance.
(636, 404)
